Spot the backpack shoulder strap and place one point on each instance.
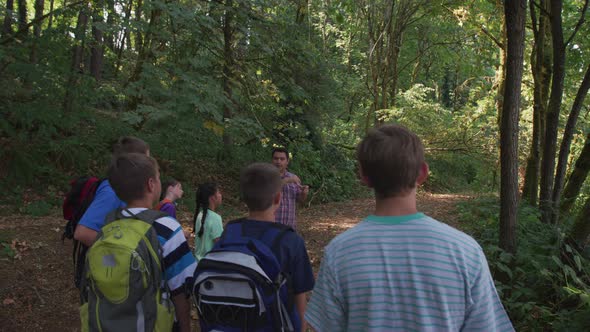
(233, 231)
(150, 216)
(114, 215)
(274, 235)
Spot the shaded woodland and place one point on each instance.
(496, 89)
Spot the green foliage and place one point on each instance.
(330, 173)
(459, 152)
(7, 250)
(546, 286)
(38, 208)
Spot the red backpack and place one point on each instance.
(76, 202)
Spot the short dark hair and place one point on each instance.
(391, 157)
(170, 182)
(259, 183)
(129, 174)
(280, 149)
(130, 144)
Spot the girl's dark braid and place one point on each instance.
(204, 191)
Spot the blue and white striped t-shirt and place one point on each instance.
(179, 261)
(409, 273)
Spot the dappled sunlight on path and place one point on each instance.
(37, 289)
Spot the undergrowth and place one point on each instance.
(546, 285)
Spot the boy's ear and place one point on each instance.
(152, 185)
(364, 179)
(423, 175)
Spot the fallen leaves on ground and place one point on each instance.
(42, 275)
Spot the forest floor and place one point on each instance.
(36, 286)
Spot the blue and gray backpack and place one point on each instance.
(239, 285)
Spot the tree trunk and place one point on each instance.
(97, 50)
(549, 149)
(138, 36)
(145, 54)
(406, 9)
(566, 142)
(228, 67)
(577, 178)
(50, 24)
(580, 230)
(22, 17)
(39, 6)
(7, 25)
(77, 58)
(500, 79)
(385, 55)
(515, 13)
(125, 40)
(301, 11)
(112, 12)
(398, 33)
(541, 70)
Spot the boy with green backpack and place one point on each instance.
(136, 272)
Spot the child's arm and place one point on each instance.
(93, 219)
(303, 280)
(485, 311)
(325, 311)
(85, 235)
(180, 265)
(300, 304)
(183, 311)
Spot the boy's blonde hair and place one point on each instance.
(391, 157)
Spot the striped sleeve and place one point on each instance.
(325, 311)
(485, 310)
(179, 262)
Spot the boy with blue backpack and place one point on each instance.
(137, 270)
(257, 275)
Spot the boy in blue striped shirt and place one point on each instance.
(398, 269)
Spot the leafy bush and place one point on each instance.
(546, 286)
(330, 173)
(38, 208)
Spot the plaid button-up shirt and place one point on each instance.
(285, 214)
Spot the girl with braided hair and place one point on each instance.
(208, 224)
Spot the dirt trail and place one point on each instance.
(37, 292)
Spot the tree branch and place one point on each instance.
(482, 29)
(578, 25)
(534, 20)
(496, 41)
(541, 9)
(36, 21)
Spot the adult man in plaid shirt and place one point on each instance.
(293, 191)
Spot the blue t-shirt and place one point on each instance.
(293, 258)
(105, 201)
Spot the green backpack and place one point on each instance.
(123, 287)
